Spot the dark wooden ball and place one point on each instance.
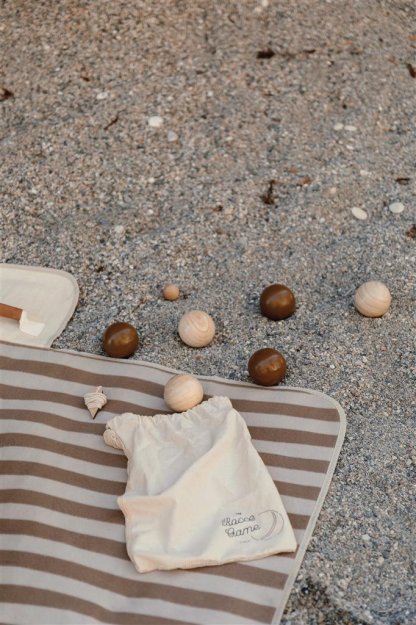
(120, 340)
(277, 302)
(267, 367)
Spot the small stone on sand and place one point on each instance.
(338, 126)
(155, 121)
(119, 229)
(102, 95)
(359, 213)
(172, 136)
(396, 207)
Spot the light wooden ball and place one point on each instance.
(171, 292)
(183, 392)
(196, 328)
(372, 299)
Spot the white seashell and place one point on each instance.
(183, 392)
(196, 328)
(155, 121)
(396, 207)
(372, 299)
(95, 401)
(359, 213)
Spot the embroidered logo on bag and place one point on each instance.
(260, 526)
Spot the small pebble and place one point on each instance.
(172, 136)
(364, 172)
(396, 207)
(350, 128)
(102, 95)
(155, 121)
(338, 126)
(119, 229)
(365, 538)
(359, 213)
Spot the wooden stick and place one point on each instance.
(11, 312)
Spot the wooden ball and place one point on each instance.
(277, 302)
(183, 392)
(196, 328)
(171, 292)
(267, 367)
(372, 299)
(120, 340)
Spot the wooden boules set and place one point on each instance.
(277, 302)
(372, 299)
(267, 367)
(183, 392)
(196, 329)
(120, 340)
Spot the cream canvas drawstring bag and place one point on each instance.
(197, 492)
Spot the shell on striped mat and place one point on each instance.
(95, 401)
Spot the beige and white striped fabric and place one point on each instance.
(63, 556)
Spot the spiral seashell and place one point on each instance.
(95, 401)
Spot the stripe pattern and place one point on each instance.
(63, 555)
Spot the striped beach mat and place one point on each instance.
(63, 555)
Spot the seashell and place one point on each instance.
(171, 292)
(372, 299)
(359, 213)
(196, 328)
(95, 401)
(183, 392)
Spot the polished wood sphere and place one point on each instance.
(171, 292)
(372, 299)
(183, 392)
(196, 328)
(120, 340)
(267, 367)
(277, 302)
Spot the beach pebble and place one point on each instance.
(338, 126)
(350, 128)
(396, 207)
(359, 213)
(155, 121)
(172, 136)
(102, 95)
(119, 229)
